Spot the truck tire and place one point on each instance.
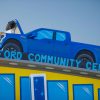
(12, 47)
(85, 57)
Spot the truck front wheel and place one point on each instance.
(12, 47)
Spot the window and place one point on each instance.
(60, 36)
(25, 87)
(83, 92)
(7, 87)
(98, 94)
(57, 90)
(44, 34)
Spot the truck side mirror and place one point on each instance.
(32, 36)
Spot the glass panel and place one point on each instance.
(39, 88)
(57, 90)
(83, 92)
(60, 36)
(44, 34)
(7, 87)
(25, 87)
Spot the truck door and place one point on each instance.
(42, 43)
(61, 47)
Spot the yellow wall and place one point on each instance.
(51, 76)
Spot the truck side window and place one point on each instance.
(44, 34)
(60, 36)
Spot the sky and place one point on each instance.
(79, 17)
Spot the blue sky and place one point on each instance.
(80, 17)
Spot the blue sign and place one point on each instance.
(51, 60)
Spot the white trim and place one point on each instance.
(32, 85)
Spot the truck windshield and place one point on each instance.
(12, 28)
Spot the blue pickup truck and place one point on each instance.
(48, 42)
